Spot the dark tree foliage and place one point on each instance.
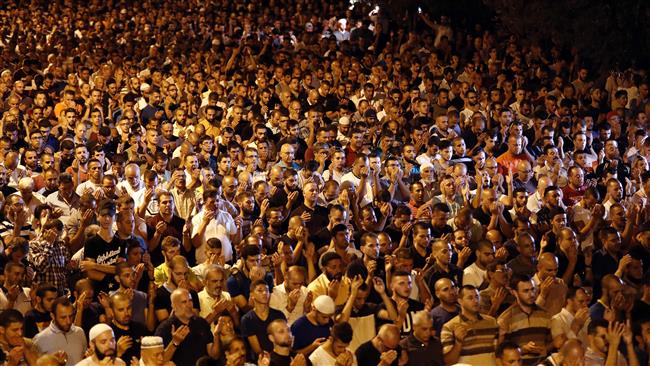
(606, 32)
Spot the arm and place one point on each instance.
(255, 344)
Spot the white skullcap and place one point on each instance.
(325, 305)
(151, 342)
(97, 330)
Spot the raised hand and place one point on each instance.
(178, 335)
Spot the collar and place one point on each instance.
(466, 319)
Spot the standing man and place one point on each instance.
(62, 335)
(475, 347)
(525, 323)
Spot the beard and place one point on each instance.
(110, 353)
(333, 277)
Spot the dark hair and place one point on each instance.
(506, 345)
(250, 251)
(60, 301)
(44, 288)
(342, 332)
(258, 283)
(595, 324)
(516, 278)
(10, 316)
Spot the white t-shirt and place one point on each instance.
(368, 196)
(222, 226)
(320, 357)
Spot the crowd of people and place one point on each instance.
(295, 183)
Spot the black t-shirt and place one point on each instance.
(318, 220)
(136, 332)
(35, 321)
(252, 325)
(103, 252)
(194, 346)
(163, 299)
(368, 355)
(279, 360)
(407, 325)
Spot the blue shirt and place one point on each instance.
(305, 332)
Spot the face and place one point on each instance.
(334, 269)
(281, 335)
(510, 357)
(485, 255)
(122, 311)
(469, 301)
(13, 333)
(64, 317)
(599, 340)
(401, 286)
(104, 345)
(260, 294)
(214, 283)
(371, 247)
(525, 293)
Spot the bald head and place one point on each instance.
(179, 295)
(547, 259)
(442, 283)
(294, 222)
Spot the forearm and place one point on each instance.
(568, 273)
(390, 306)
(452, 356)
(347, 309)
(632, 358)
(169, 351)
(154, 242)
(612, 355)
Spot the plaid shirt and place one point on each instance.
(50, 262)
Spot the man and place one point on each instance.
(313, 328)
(62, 334)
(94, 181)
(460, 345)
(442, 252)
(128, 333)
(254, 323)
(166, 223)
(179, 278)
(476, 273)
(40, 316)
(290, 297)
(516, 152)
(571, 322)
(187, 336)
(315, 216)
(524, 263)
(282, 339)
(604, 342)
(423, 347)
(102, 342)
(401, 285)
(552, 290)
(496, 298)
(508, 354)
(447, 292)
(524, 177)
(243, 275)
(141, 303)
(214, 301)
(572, 193)
(383, 349)
(152, 352)
(611, 299)
(19, 350)
(525, 323)
(335, 350)
(12, 295)
(331, 282)
(213, 222)
(362, 181)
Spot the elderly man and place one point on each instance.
(188, 337)
(152, 352)
(552, 289)
(422, 346)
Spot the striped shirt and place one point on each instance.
(479, 343)
(517, 326)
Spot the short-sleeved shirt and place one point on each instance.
(163, 300)
(194, 346)
(239, 284)
(136, 332)
(306, 332)
(479, 343)
(109, 253)
(521, 328)
(252, 325)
